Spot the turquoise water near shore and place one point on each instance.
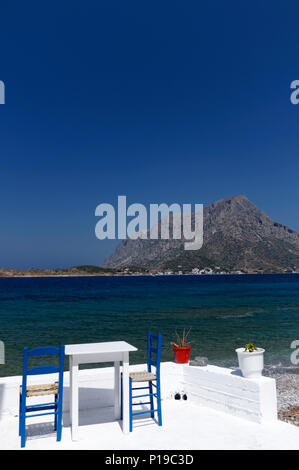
(224, 311)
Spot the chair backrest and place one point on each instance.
(44, 369)
(154, 346)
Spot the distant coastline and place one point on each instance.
(84, 270)
(97, 271)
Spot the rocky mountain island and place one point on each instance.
(238, 236)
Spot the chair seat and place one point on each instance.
(143, 376)
(42, 389)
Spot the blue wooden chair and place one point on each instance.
(55, 389)
(154, 345)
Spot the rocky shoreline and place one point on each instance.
(288, 397)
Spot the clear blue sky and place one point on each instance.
(163, 101)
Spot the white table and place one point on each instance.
(112, 351)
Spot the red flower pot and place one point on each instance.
(181, 354)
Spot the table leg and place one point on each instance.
(117, 389)
(74, 401)
(126, 393)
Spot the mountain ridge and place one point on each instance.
(237, 236)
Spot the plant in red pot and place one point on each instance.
(181, 348)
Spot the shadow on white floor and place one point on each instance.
(185, 426)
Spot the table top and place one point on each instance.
(95, 348)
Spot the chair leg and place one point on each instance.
(130, 404)
(20, 413)
(55, 416)
(23, 429)
(159, 403)
(121, 397)
(59, 419)
(23, 420)
(151, 399)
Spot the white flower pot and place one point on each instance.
(251, 363)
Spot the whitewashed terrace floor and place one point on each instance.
(185, 426)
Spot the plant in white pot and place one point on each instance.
(251, 360)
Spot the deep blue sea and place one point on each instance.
(224, 312)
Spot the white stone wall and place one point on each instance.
(226, 390)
